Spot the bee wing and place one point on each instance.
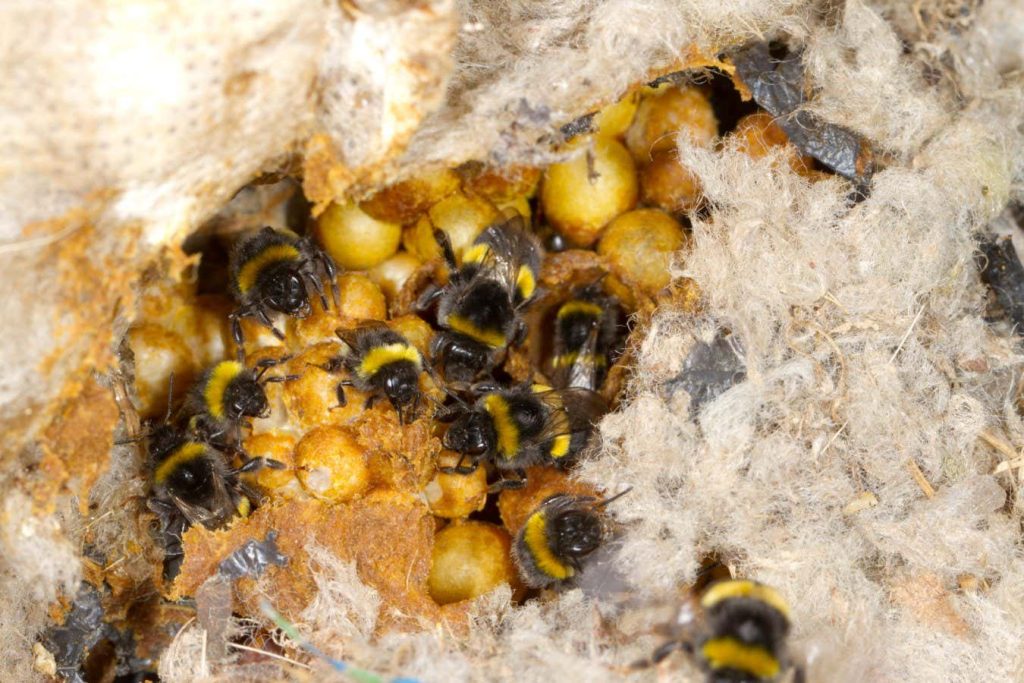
(580, 372)
(511, 246)
(220, 506)
(350, 336)
(573, 411)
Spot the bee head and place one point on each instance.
(285, 292)
(472, 433)
(245, 398)
(576, 533)
(401, 388)
(162, 438)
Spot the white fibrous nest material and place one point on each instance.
(865, 462)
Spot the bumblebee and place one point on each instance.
(192, 482)
(741, 630)
(558, 536)
(526, 425)
(193, 479)
(380, 362)
(478, 310)
(226, 394)
(588, 333)
(276, 271)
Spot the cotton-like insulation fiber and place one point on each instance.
(852, 468)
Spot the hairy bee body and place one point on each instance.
(275, 271)
(225, 394)
(738, 635)
(478, 310)
(555, 539)
(525, 425)
(382, 362)
(747, 626)
(193, 479)
(588, 328)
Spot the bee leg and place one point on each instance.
(459, 468)
(444, 413)
(799, 674)
(264, 318)
(512, 483)
(659, 654)
(236, 333)
(320, 266)
(312, 281)
(439, 355)
(265, 363)
(503, 484)
(220, 444)
(407, 412)
(161, 507)
(427, 298)
(331, 271)
(282, 378)
(340, 392)
(484, 387)
(370, 400)
(333, 366)
(519, 334)
(441, 237)
(432, 373)
(254, 464)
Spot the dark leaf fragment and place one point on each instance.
(253, 558)
(709, 371)
(82, 630)
(1002, 271)
(580, 126)
(777, 85)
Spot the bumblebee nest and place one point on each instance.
(862, 453)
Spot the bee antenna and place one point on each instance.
(170, 397)
(614, 498)
(452, 395)
(599, 279)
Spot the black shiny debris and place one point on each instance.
(82, 630)
(1002, 271)
(777, 85)
(580, 126)
(253, 558)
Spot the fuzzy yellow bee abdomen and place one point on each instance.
(535, 538)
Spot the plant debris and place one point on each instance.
(777, 84)
(253, 558)
(1002, 271)
(709, 371)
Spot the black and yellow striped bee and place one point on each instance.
(738, 636)
(478, 310)
(525, 425)
(380, 362)
(193, 479)
(276, 271)
(558, 536)
(226, 394)
(589, 328)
